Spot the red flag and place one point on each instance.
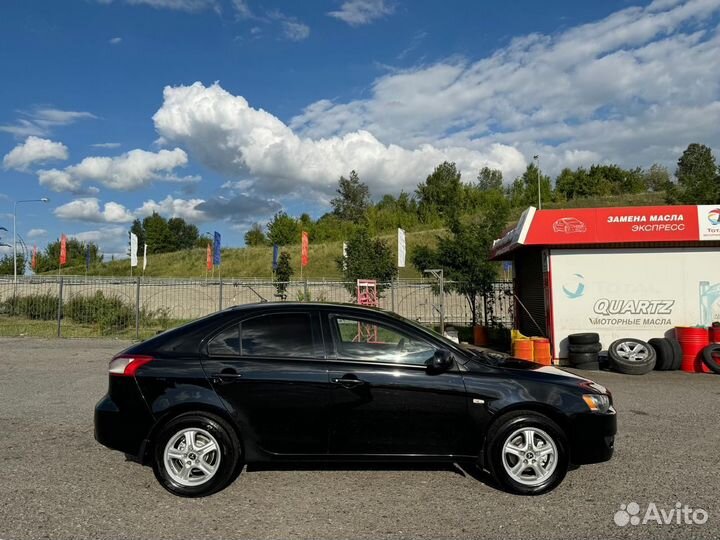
(209, 258)
(63, 250)
(33, 264)
(305, 257)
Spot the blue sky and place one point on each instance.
(225, 111)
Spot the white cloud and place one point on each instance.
(34, 150)
(42, 120)
(88, 209)
(358, 12)
(630, 88)
(115, 40)
(225, 133)
(131, 170)
(295, 30)
(171, 207)
(190, 6)
(37, 233)
(242, 9)
(112, 239)
(107, 145)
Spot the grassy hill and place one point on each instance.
(255, 262)
(252, 262)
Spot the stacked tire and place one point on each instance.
(711, 357)
(632, 356)
(668, 353)
(583, 350)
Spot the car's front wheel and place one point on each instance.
(527, 453)
(195, 455)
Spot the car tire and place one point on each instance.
(194, 471)
(594, 366)
(677, 353)
(585, 338)
(631, 356)
(589, 348)
(710, 356)
(505, 439)
(582, 358)
(664, 354)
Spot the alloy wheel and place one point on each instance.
(632, 351)
(191, 457)
(529, 456)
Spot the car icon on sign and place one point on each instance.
(569, 225)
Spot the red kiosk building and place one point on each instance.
(621, 272)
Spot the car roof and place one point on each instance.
(280, 306)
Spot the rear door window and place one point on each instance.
(278, 334)
(226, 343)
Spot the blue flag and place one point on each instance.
(276, 249)
(216, 249)
(87, 257)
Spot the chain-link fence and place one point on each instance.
(68, 306)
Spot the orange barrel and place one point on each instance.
(480, 335)
(523, 349)
(693, 340)
(541, 351)
(714, 334)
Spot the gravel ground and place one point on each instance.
(57, 482)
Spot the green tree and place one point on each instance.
(137, 229)
(353, 200)
(283, 230)
(183, 235)
(463, 255)
(7, 267)
(367, 258)
(657, 178)
(255, 236)
(49, 259)
(283, 274)
(697, 174)
(489, 179)
(441, 192)
(157, 234)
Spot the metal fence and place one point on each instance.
(69, 306)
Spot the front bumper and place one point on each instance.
(592, 437)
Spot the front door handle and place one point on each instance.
(347, 382)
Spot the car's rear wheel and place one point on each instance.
(195, 455)
(527, 453)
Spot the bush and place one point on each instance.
(41, 307)
(108, 312)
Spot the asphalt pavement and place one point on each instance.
(57, 482)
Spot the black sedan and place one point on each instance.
(329, 382)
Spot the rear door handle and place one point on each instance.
(221, 378)
(346, 382)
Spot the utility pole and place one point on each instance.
(537, 166)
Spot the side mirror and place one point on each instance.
(441, 361)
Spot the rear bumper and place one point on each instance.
(122, 419)
(592, 437)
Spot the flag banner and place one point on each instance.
(33, 264)
(401, 248)
(305, 255)
(87, 257)
(276, 250)
(216, 248)
(63, 250)
(344, 255)
(209, 257)
(133, 250)
(145, 257)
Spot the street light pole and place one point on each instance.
(43, 200)
(537, 166)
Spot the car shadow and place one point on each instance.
(465, 470)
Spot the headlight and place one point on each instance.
(599, 403)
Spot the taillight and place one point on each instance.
(127, 364)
